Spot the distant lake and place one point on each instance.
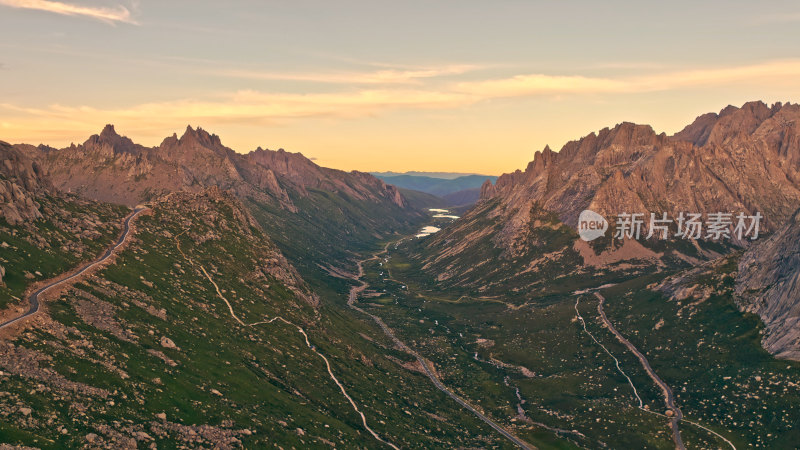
(427, 231)
(438, 213)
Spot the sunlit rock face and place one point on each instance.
(740, 160)
(768, 284)
(112, 168)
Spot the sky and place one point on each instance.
(373, 85)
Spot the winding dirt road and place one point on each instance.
(355, 290)
(33, 299)
(669, 397)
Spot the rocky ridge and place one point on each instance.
(740, 160)
(109, 167)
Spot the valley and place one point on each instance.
(277, 303)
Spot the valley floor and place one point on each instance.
(564, 372)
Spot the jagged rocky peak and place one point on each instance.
(109, 132)
(200, 136)
(110, 143)
(541, 160)
(169, 141)
(195, 144)
(623, 144)
(734, 121)
(628, 134)
(305, 173)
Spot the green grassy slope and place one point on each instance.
(71, 231)
(101, 371)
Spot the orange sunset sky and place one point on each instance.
(461, 86)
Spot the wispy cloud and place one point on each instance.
(269, 108)
(765, 72)
(109, 15)
(539, 84)
(247, 107)
(781, 71)
(388, 76)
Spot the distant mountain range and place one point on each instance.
(440, 175)
(455, 189)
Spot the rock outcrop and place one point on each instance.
(487, 190)
(768, 284)
(21, 181)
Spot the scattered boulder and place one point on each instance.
(142, 436)
(167, 343)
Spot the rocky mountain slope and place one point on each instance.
(112, 168)
(768, 284)
(740, 160)
(318, 216)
